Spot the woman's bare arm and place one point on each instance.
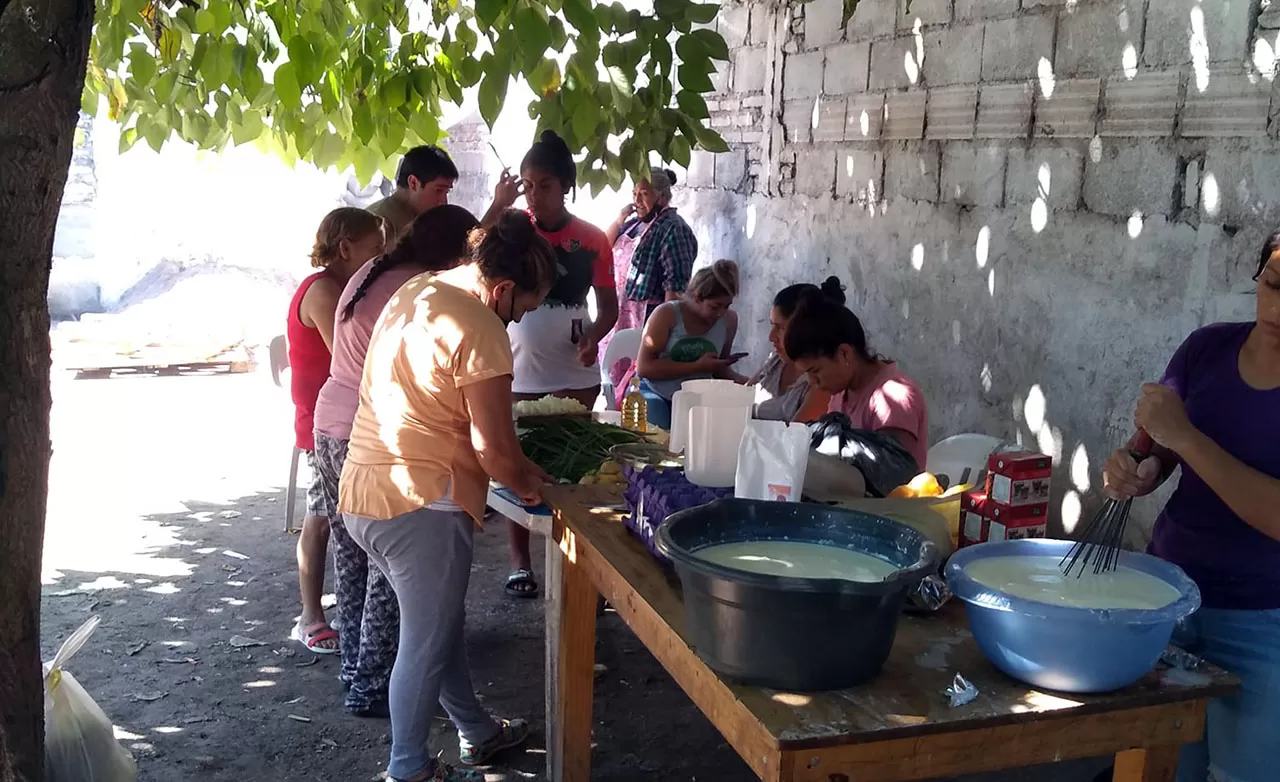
(319, 308)
(493, 435)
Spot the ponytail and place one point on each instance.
(437, 240)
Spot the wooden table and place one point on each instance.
(898, 727)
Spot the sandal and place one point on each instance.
(512, 734)
(311, 637)
(521, 584)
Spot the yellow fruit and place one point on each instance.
(923, 485)
(610, 468)
(587, 480)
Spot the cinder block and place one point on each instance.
(761, 22)
(1146, 105)
(904, 115)
(985, 9)
(1239, 185)
(1131, 176)
(860, 175)
(873, 19)
(1012, 48)
(1054, 173)
(734, 22)
(911, 172)
(846, 68)
(731, 169)
(953, 55)
(864, 118)
(895, 63)
(1234, 103)
(952, 113)
(802, 75)
(973, 174)
(701, 171)
(750, 69)
(822, 22)
(927, 12)
(815, 172)
(1070, 110)
(830, 127)
(797, 120)
(1004, 111)
(1173, 31)
(1096, 40)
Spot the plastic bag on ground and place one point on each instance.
(79, 742)
(772, 458)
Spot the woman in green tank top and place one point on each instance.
(690, 339)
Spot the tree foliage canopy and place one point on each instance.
(355, 82)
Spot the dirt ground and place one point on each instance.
(166, 518)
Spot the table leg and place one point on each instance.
(571, 647)
(1154, 764)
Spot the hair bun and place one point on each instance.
(671, 176)
(833, 290)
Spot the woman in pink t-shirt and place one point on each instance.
(827, 341)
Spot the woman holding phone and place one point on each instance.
(690, 339)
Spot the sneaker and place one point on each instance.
(513, 733)
(447, 773)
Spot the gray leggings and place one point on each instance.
(426, 555)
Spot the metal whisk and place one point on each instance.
(1099, 545)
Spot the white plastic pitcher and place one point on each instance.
(707, 393)
(712, 451)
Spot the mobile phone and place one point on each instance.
(738, 356)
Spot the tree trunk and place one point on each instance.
(43, 48)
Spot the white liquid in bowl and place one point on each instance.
(1041, 579)
(798, 560)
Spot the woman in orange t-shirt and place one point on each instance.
(432, 427)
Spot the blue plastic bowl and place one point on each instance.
(1055, 647)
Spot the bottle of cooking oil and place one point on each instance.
(635, 410)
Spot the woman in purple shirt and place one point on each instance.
(369, 616)
(1216, 414)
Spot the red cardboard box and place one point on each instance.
(1019, 478)
(1017, 522)
(974, 521)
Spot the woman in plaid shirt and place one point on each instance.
(653, 252)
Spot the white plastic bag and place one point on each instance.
(79, 741)
(772, 459)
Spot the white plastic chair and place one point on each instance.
(624, 344)
(961, 458)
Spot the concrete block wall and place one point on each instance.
(1032, 202)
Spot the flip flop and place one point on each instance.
(521, 576)
(311, 636)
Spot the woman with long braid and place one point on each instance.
(370, 620)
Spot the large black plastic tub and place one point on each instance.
(795, 634)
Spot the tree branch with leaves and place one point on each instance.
(354, 83)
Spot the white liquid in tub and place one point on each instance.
(798, 560)
(1041, 579)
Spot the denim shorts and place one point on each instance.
(1242, 734)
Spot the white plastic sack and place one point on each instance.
(772, 459)
(79, 741)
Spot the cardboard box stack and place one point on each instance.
(1013, 504)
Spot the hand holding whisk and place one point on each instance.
(1099, 545)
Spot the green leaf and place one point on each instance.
(691, 49)
(287, 89)
(327, 151)
(393, 92)
(89, 100)
(671, 10)
(490, 98)
(200, 53)
(424, 125)
(469, 72)
(546, 77)
(392, 137)
(692, 78)
(303, 59)
(142, 66)
(711, 141)
(128, 138)
(679, 150)
(531, 26)
(712, 42)
(702, 13)
(586, 118)
(692, 104)
(620, 88)
(559, 36)
(154, 132)
(251, 82)
(248, 129)
(362, 122)
(488, 11)
(165, 84)
(205, 21)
